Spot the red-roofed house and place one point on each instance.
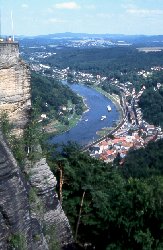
(103, 145)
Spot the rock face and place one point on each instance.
(18, 219)
(30, 213)
(9, 52)
(44, 182)
(15, 218)
(15, 96)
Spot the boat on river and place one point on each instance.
(103, 117)
(109, 108)
(84, 131)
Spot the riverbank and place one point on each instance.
(116, 100)
(113, 99)
(86, 128)
(106, 131)
(55, 127)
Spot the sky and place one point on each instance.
(38, 17)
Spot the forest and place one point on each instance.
(112, 207)
(51, 95)
(119, 62)
(151, 102)
(104, 61)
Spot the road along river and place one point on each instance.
(84, 132)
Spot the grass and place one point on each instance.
(104, 131)
(55, 127)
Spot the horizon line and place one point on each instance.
(84, 33)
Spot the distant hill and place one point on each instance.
(138, 40)
(100, 36)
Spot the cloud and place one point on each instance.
(55, 20)
(25, 6)
(131, 8)
(67, 5)
(144, 12)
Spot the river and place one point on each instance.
(85, 130)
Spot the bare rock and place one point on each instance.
(15, 90)
(15, 217)
(44, 182)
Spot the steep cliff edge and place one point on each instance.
(31, 216)
(50, 213)
(15, 96)
(22, 222)
(17, 225)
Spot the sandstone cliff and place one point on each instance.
(15, 96)
(17, 224)
(31, 216)
(49, 212)
(23, 218)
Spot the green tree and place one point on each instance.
(5, 125)
(108, 210)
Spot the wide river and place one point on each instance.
(85, 130)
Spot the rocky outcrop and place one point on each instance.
(16, 221)
(43, 181)
(24, 216)
(15, 96)
(30, 212)
(9, 54)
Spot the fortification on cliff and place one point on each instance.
(15, 95)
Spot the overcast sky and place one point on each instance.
(34, 17)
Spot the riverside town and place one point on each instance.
(81, 125)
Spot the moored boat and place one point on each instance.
(109, 108)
